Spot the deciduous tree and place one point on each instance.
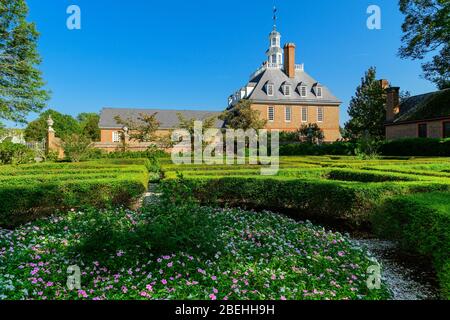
(21, 84)
(427, 30)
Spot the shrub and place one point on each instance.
(76, 146)
(421, 223)
(12, 153)
(303, 149)
(417, 147)
(320, 200)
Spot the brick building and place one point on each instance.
(288, 97)
(422, 116)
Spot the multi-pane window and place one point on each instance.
(320, 115)
(270, 90)
(116, 136)
(304, 114)
(287, 90)
(288, 113)
(303, 91)
(446, 129)
(271, 113)
(319, 92)
(423, 130)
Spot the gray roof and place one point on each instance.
(425, 106)
(167, 118)
(278, 77)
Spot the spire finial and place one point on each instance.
(275, 18)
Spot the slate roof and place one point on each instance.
(425, 107)
(278, 78)
(167, 118)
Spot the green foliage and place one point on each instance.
(242, 116)
(368, 147)
(142, 129)
(311, 133)
(335, 148)
(367, 108)
(76, 146)
(20, 81)
(11, 153)
(417, 147)
(421, 223)
(89, 125)
(427, 30)
(65, 125)
(29, 190)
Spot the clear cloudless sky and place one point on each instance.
(194, 54)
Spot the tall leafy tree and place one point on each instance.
(65, 125)
(367, 108)
(242, 116)
(21, 84)
(89, 125)
(427, 30)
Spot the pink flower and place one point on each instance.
(164, 281)
(149, 287)
(215, 290)
(213, 296)
(170, 264)
(274, 277)
(283, 298)
(124, 289)
(214, 278)
(341, 253)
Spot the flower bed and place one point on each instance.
(238, 255)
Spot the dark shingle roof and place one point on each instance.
(425, 106)
(167, 118)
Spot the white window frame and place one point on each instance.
(269, 88)
(319, 89)
(303, 89)
(320, 114)
(305, 112)
(269, 109)
(115, 136)
(286, 108)
(287, 90)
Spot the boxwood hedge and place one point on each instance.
(420, 223)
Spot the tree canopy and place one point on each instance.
(21, 83)
(242, 116)
(64, 125)
(427, 31)
(367, 108)
(89, 125)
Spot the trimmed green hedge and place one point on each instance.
(417, 147)
(324, 200)
(421, 223)
(303, 149)
(25, 194)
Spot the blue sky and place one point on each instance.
(194, 54)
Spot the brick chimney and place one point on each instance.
(384, 84)
(392, 102)
(289, 60)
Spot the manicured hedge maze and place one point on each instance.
(369, 194)
(28, 191)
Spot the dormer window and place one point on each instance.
(287, 89)
(319, 92)
(270, 89)
(303, 91)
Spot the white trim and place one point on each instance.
(287, 87)
(273, 90)
(273, 113)
(286, 108)
(301, 91)
(320, 111)
(317, 92)
(304, 120)
(115, 136)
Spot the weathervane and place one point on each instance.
(275, 18)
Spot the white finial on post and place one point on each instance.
(50, 124)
